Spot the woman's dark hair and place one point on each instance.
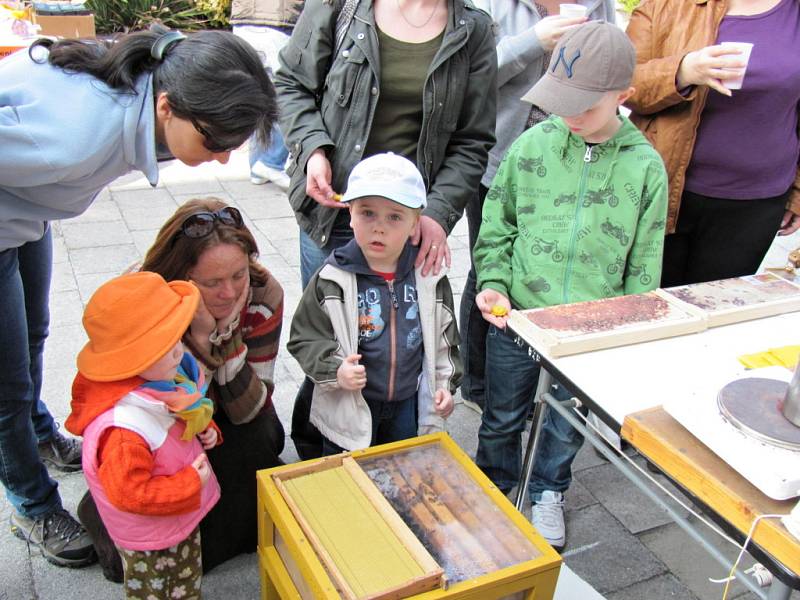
(173, 254)
(211, 77)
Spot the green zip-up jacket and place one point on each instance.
(566, 222)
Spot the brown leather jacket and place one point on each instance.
(663, 32)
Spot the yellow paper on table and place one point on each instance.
(785, 356)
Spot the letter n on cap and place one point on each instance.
(567, 65)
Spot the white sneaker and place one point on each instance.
(261, 174)
(547, 516)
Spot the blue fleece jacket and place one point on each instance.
(389, 330)
(63, 137)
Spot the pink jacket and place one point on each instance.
(171, 454)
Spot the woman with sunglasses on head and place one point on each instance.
(74, 116)
(234, 336)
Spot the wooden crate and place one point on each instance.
(444, 512)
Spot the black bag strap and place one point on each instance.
(343, 19)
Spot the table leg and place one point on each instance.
(539, 408)
(776, 592)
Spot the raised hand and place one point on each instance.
(494, 307)
(241, 301)
(208, 438)
(550, 29)
(202, 467)
(710, 66)
(350, 375)
(318, 180)
(443, 403)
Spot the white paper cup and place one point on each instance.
(746, 48)
(572, 11)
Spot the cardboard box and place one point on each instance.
(66, 26)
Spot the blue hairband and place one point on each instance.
(164, 41)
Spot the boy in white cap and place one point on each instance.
(575, 212)
(378, 339)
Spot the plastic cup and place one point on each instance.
(746, 48)
(572, 11)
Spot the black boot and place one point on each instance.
(107, 554)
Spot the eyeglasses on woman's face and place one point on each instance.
(208, 140)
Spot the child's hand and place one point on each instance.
(494, 307)
(443, 403)
(202, 467)
(351, 375)
(208, 438)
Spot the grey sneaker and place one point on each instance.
(61, 539)
(547, 516)
(61, 452)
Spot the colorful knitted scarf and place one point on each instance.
(184, 396)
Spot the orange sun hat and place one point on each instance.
(132, 321)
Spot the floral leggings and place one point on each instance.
(174, 572)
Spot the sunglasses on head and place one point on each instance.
(208, 140)
(201, 224)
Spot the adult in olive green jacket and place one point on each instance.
(329, 103)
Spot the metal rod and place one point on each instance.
(539, 411)
(679, 519)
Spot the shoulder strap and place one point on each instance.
(343, 19)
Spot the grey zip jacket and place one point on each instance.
(325, 331)
(329, 101)
(520, 64)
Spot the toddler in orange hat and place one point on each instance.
(139, 403)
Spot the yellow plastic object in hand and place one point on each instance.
(785, 356)
(499, 311)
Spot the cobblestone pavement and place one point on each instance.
(617, 541)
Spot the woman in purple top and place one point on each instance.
(731, 155)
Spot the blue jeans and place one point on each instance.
(472, 325)
(312, 256)
(511, 378)
(391, 422)
(24, 419)
(274, 156)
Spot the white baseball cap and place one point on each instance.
(390, 176)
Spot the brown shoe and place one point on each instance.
(61, 452)
(60, 538)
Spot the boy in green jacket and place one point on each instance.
(576, 212)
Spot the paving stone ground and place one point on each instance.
(618, 542)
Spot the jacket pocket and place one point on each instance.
(344, 74)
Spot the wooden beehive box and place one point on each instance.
(412, 519)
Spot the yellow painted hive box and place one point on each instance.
(411, 519)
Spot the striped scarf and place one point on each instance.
(184, 396)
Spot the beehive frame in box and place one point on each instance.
(441, 501)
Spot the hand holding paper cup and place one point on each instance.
(744, 48)
(572, 11)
